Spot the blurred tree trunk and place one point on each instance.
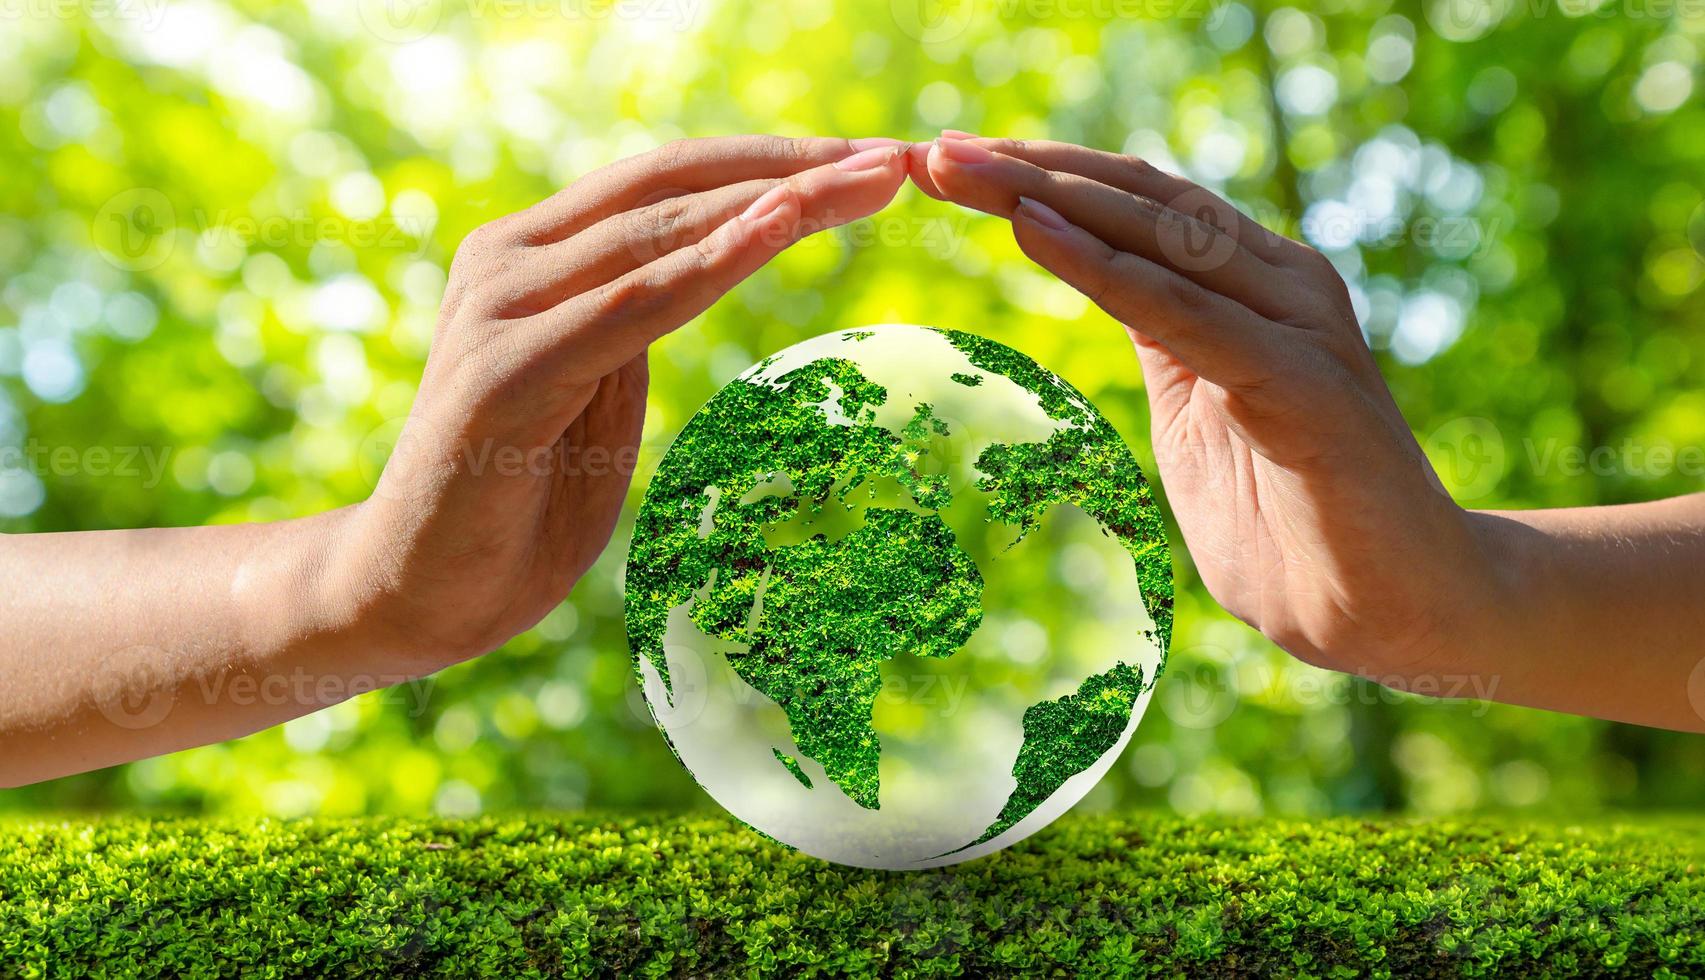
(1374, 783)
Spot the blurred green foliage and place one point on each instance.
(224, 229)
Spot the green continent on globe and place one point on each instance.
(1086, 464)
(1064, 737)
(833, 611)
(809, 622)
(792, 765)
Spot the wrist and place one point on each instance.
(1444, 613)
(391, 596)
(1494, 618)
(302, 599)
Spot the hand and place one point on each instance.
(503, 487)
(513, 465)
(1306, 504)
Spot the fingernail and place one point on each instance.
(960, 151)
(765, 205)
(872, 142)
(869, 159)
(1043, 214)
(959, 134)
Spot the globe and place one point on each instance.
(898, 596)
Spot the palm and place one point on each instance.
(1215, 484)
(1280, 545)
(596, 458)
(496, 562)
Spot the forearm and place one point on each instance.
(120, 645)
(1600, 611)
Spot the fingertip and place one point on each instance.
(937, 163)
(866, 159)
(898, 164)
(872, 142)
(917, 167)
(958, 181)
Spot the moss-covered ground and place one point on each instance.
(587, 895)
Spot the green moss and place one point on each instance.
(1091, 468)
(588, 895)
(1087, 464)
(792, 765)
(834, 611)
(968, 380)
(1066, 736)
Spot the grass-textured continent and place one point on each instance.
(748, 434)
(831, 611)
(1086, 464)
(792, 765)
(834, 611)
(1064, 737)
(589, 895)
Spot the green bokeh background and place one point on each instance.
(224, 229)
